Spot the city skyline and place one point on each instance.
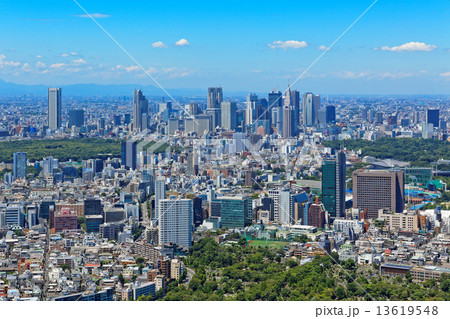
(369, 59)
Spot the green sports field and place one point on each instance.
(269, 243)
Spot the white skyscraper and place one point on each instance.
(175, 223)
(311, 105)
(54, 108)
(160, 193)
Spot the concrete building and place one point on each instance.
(378, 189)
(175, 221)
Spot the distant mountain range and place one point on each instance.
(13, 89)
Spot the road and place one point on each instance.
(190, 274)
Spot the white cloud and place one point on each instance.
(410, 47)
(38, 56)
(57, 66)
(26, 67)
(94, 15)
(65, 55)
(159, 44)
(289, 44)
(182, 43)
(445, 74)
(40, 65)
(396, 75)
(79, 61)
(352, 75)
(4, 63)
(322, 48)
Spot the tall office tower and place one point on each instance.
(379, 118)
(76, 118)
(140, 106)
(236, 212)
(427, 130)
(322, 117)
(416, 117)
(378, 189)
(160, 193)
(331, 113)
(311, 105)
(279, 123)
(333, 185)
(175, 222)
(288, 122)
(364, 114)
(214, 98)
(274, 194)
(54, 108)
(371, 115)
(274, 99)
(117, 120)
(193, 109)
(251, 112)
(198, 211)
(129, 154)
(285, 207)
(20, 165)
(433, 117)
(295, 103)
(228, 115)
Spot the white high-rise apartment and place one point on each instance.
(175, 223)
(160, 193)
(54, 108)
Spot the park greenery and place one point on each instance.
(242, 272)
(62, 149)
(417, 151)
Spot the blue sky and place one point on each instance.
(399, 46)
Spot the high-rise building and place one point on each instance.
(160, 193)
(252, 110)
(427, 130)
(214, 99)
(193, 109)
(433, 117)
(76, 118)
(54, 108)
(20, 165)
(379, 118)
(333, 185)
(228, 110)
(129, 154)
(236, 212)
(331, 113)
(316, 215)
(311, 105)
(175, 221)
(295, 104)
(198, 211)
(274, 99)
(378, 189)
(288, 122)
(140, 106)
